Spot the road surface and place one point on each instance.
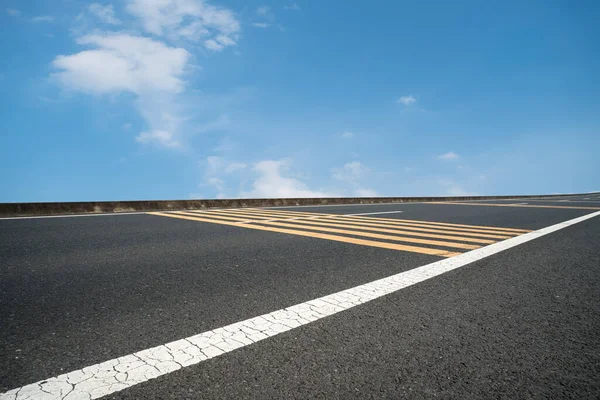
(484, 299)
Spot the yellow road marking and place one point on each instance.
(402, 225)
(267, 211)
(428, 228)
(514, 205)
(209, 215)
(453, 226)
(271, 217)
(328, 220)
(378, 236)
(398, 220)
(372, 243)
(398, 232)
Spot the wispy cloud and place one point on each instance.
(353, 173)
(43, 18)
(162, 138)
(193, 20)
(263, 10)
(122, 62)
(448, 156)
(13, 12)
(105, 13)
(147, 67)
(273, 180)
(292, 7)
(234, 167)
(347, 135)
(406, 100)
(265, 17)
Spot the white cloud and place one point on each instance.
(272, 182)
(260, 25)
(126, 126)
(215, 170)
(118, 63)
(121, 62)
(263, 10)
(43, 18)
(292, 7)
(12, 12)
(347, 135)
(407, 100)
(187, 19)
(105, 14)
(351, 172)
(218, 43)
(235, 166)
(448, 156)
(162, 138)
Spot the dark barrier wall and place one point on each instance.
(30, 209)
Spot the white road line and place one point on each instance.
(383, 212)
(120, 373)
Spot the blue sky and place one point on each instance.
(176, 99)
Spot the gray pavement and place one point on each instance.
(524, 323)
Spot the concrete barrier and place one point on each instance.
(58, 208)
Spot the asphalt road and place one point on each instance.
(522, 323)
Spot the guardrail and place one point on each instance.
(33, 209)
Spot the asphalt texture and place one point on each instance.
(524, 323)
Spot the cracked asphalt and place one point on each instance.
(523, 323)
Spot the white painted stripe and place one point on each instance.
(114, 375)
(375, 213)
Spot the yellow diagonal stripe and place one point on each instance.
(210, 215)
(442, 224)
(269, 216)
(394, 231)
(223, 214)
(268, 211)
(377, 235)
(406, 225)
(414, 228)
(402, 225)
(396, 220)
(364, 242)
(329, 219)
